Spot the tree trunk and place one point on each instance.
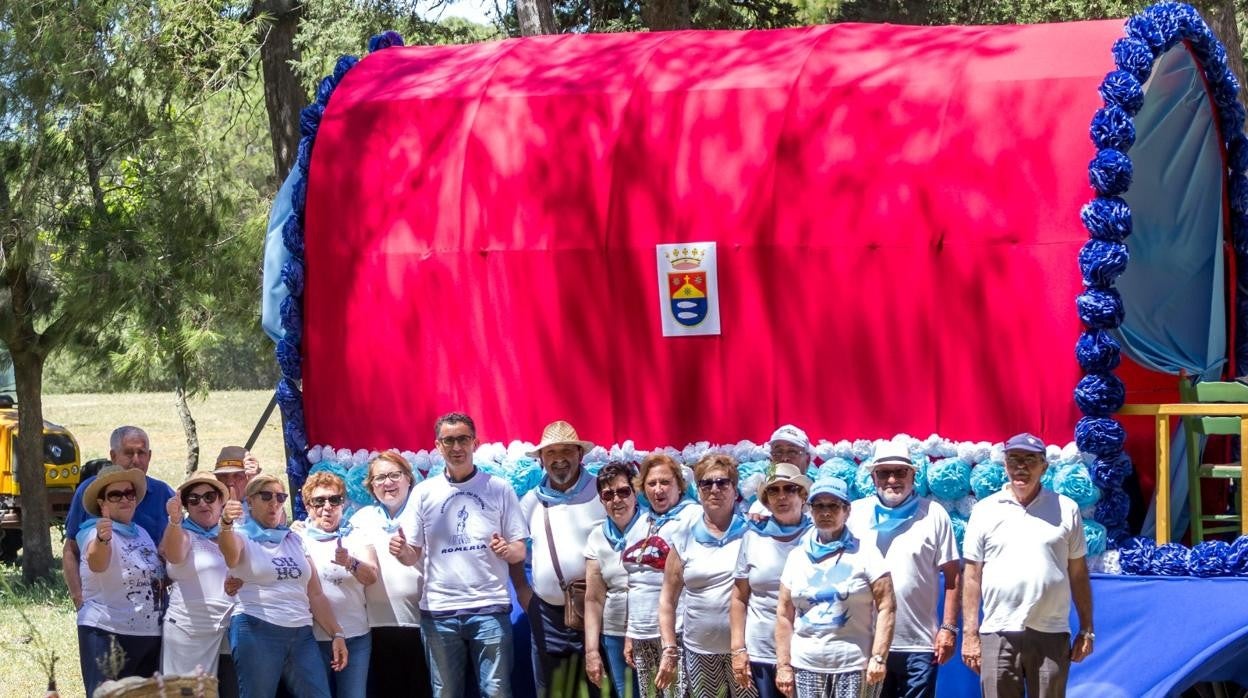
(665, 15)
(184, 412)
(283, 95)
(1220, 16)
(536, 17)
(36, 539)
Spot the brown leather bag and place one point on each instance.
(574, 591)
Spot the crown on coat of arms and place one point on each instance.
(685, 258)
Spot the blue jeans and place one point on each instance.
(763, 676)
(619, 670)
(141, 656)
(910, 675)
(351, 682)
(448, 643)
(266, 655)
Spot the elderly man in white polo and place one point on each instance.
(915, 537)
(561, 512)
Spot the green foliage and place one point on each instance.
(965, 11)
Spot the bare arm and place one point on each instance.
(595, 599)
(516, 550)
(231, 543)
(946, 639)
(69, 566)
(736, 623)
(971, 575)
(885, 618)
(1081, 593)
(176, 543)
(369, 570)
(323, 614)
(669, 597)
(784, 637)
(99, 553)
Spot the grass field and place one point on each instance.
(224, 418)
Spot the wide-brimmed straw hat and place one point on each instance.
(230, 460)
(111, 474)
(203, 478)
(560, 432)
(784, 472)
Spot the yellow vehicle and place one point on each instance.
(61, 473)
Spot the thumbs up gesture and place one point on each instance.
(104, 526)
(400, 549)
(231, 512)
(341, 557)
(498, 544)
(174, 508)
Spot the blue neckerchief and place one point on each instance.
(736, 529)
(657, 520)
(551, 496)
(390, 524)
(614, 535)
(817, 550)
(258, 533)
(889, 518)
(315, 533)
(210, 533)
(771, 528)
(126, 530)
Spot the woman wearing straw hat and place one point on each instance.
(271, 631)
(119, 621)
(199, 611)
(346, 565)
(606, 581)
(756, 591)
(834, 619)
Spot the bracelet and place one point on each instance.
(105, 541)
(340, 635)
(1088, 635)
(950, 627)
(354, 566)
(739, 650)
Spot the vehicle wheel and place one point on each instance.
(10, 544)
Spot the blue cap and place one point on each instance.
(1025, 442)
(834, 486)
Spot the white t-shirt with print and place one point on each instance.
(275, 581)
(914, 553)
(394, 599)
(645, 557)
(124, 598)
(761, 562)
(708, 577)
(197, 600)
(834, 609)
(457, 520)
(570, 525)
(343, 591)
(1026, 553)
(615, 577)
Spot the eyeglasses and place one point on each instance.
(453, 441)
(899, 473)
(715, 483)
(829, 506)
(1030, 459)
(392, 476)
(618, 493)
(208, 498)
(783, 489)
(266, 496)
(333, 500)
(785, 455)
(117, 495)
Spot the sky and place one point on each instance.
(473, 10)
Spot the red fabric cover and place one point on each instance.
(896, 212)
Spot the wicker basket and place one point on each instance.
(200, 686)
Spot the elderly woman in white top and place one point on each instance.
(764, 550)
(271, 632)
(198, 617)
(346, 565)
(121, 576)
(834, 619)
(701, 566)
(606, 581)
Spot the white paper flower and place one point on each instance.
(314, 455)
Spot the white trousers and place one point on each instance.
(181, 651)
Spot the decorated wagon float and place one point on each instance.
(681, 240)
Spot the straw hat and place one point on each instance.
(783, 472)
(892, 453)
(559, 432)
(203, 478)
(109, 475)
(230, 460)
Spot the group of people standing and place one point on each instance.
(804, 594)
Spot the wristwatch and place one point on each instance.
(1088, 634)
(950, 627)
(878, 658)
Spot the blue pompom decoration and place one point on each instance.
(1113, 507)
(334, 468)
(292, 276)
(292, 236)
(324, 89)
(295, 439)
(949, 478)
(1100, 308)
(1239, 192)
(1096, 537)
(1237, 557)
(291, 312)
(1170, 560)
(310, 119)
(863, 485)
(1102, 261)
(1100, 436)
(1209, 558)
(527, 475)
(1075, 482)
(357, 491)
(1098, 351)
(344, 64)
(1109, 472)
(1135, 556)
(303, 154)
(1112, 128)
(289, 359)
(1117, 535)
(1100, 394)
(1237, 149)
(1110, 172)
(1120, 88)
(837, 467)
(1134, 57)
(988, 478)
(1142, 27)
(299, 196)
(959, 530)
(1107, 218)
(384, 40)
(920, 478)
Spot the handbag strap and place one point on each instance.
(550, 543)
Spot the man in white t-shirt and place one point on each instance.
(469, 530)
(564, 509)
(1025, 548)
(915, 537)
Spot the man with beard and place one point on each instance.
(1026, 550)
(915, 537)
(561, 513)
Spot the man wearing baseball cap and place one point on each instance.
(788, 444)
(915, 537)
(1025, 551)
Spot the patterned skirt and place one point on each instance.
(846, 684)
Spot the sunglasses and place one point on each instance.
(453, 441)
(117, 495)
(207, 497)
(715, 483)
(333, 500)
(609, 494)
(1033, 459)
(266, 496)
(829, 506)
(899, 473)
(384, 477)
(783, 489)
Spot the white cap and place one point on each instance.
(791, 434)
